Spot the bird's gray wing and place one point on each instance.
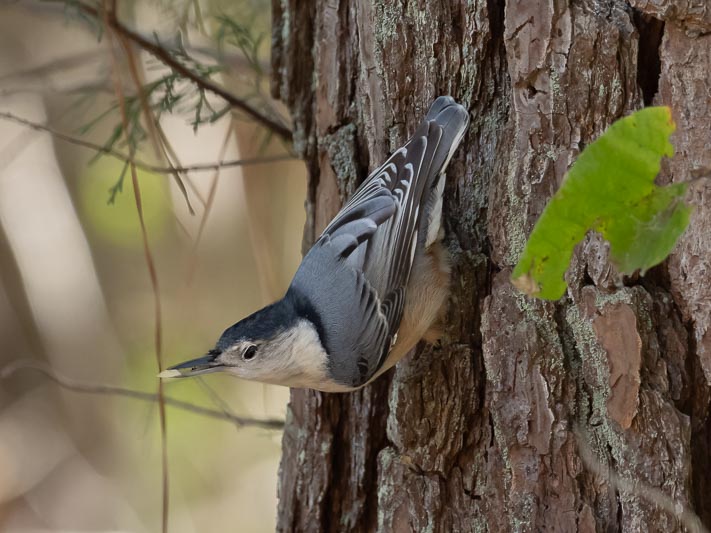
(357, 272)
(345, 309)
(371, 205)
(359, 308)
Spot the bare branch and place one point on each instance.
(148, 116)
(200, 167)
(167, 59)
(110, 390)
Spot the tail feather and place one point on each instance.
(453, 119)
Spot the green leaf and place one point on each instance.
(609, 189)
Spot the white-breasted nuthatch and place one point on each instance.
(370, 288)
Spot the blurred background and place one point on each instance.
(75, 292)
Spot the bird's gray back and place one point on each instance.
(353, 281)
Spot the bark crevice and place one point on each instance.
(649, 63)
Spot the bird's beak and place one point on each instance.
(194, 367)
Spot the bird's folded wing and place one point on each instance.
(373, 238)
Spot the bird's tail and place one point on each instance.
(453, 119)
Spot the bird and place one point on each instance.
(371, 287)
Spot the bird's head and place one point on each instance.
(273, 345)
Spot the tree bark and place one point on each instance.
(495, 429)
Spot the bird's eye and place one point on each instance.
(249, 353)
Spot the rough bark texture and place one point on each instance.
(488, 432)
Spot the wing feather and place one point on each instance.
(368, 248)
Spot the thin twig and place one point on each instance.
(16, 146)
(110, 14)
(638, 488)
(173, 160)
(208, 208)
(156, 50)
(199, 167)
(111, 390)
(219, 402)
(149, 118)
(165, 57)
(171, 157)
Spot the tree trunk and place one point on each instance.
(514, 423)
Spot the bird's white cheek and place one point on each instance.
(256, 370)
(235, 371)
(248, 371)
